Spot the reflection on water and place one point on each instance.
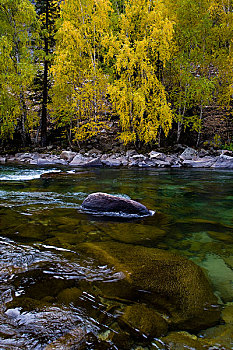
(56, 294)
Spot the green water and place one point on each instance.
(52, 292)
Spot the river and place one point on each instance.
(55, 295)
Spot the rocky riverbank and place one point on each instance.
(187, 158)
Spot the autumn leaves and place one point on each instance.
(152, 64)
(96, 63)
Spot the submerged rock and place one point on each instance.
(103, 202)
(184, 340)
(144, 320)
(175, 286)
(53, 175)
(71, 340)
(221, 276)
(227, 313)
(219, 337)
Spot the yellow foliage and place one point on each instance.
(138, 96)
(18, 32)
(79, 82)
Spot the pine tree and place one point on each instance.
(48, 12)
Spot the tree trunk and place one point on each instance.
(199, 132)
(23, 120)
(180, 123)
(179, 129)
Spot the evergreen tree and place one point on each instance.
(48, 11)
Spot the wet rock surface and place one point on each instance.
(183, 340)
(144, 320)
(220, 336)
(71, 340)
(175, 286)
(103, 202)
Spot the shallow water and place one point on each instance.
(52, 292)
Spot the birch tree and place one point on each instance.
(18, 32)
(80, 85)
(145, 44)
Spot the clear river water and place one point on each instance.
(54, 294)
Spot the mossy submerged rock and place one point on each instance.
(69, 295)
(103, 202)
(227, 313)
(219, 337)
(177, 287)
(184, 340)
(144, 320)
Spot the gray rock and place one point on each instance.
(172, 159)
(176, 165)
(79, 160)
(157, 155)
(2, 160)
(68, 155)
(225, 152)
(203, 153)
(103, 202)
(96, 162)
(131, 153)
(112, 162)
(25, 157)
(94, 153)
(85, 162)
(188, 154)
(44, 161)
(104, 156)
(139, 157)
(60, 162)
(224, 162)
(50, 160)
(45, 155)
(161, 163)
(33, 162)
(133, 163)
(145, 164)
(205, 162)
(124, 161)
(11, 159)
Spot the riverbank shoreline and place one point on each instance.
(188, 158)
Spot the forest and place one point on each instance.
(155, 70)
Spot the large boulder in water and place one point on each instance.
(173, 285)
(103, 202)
